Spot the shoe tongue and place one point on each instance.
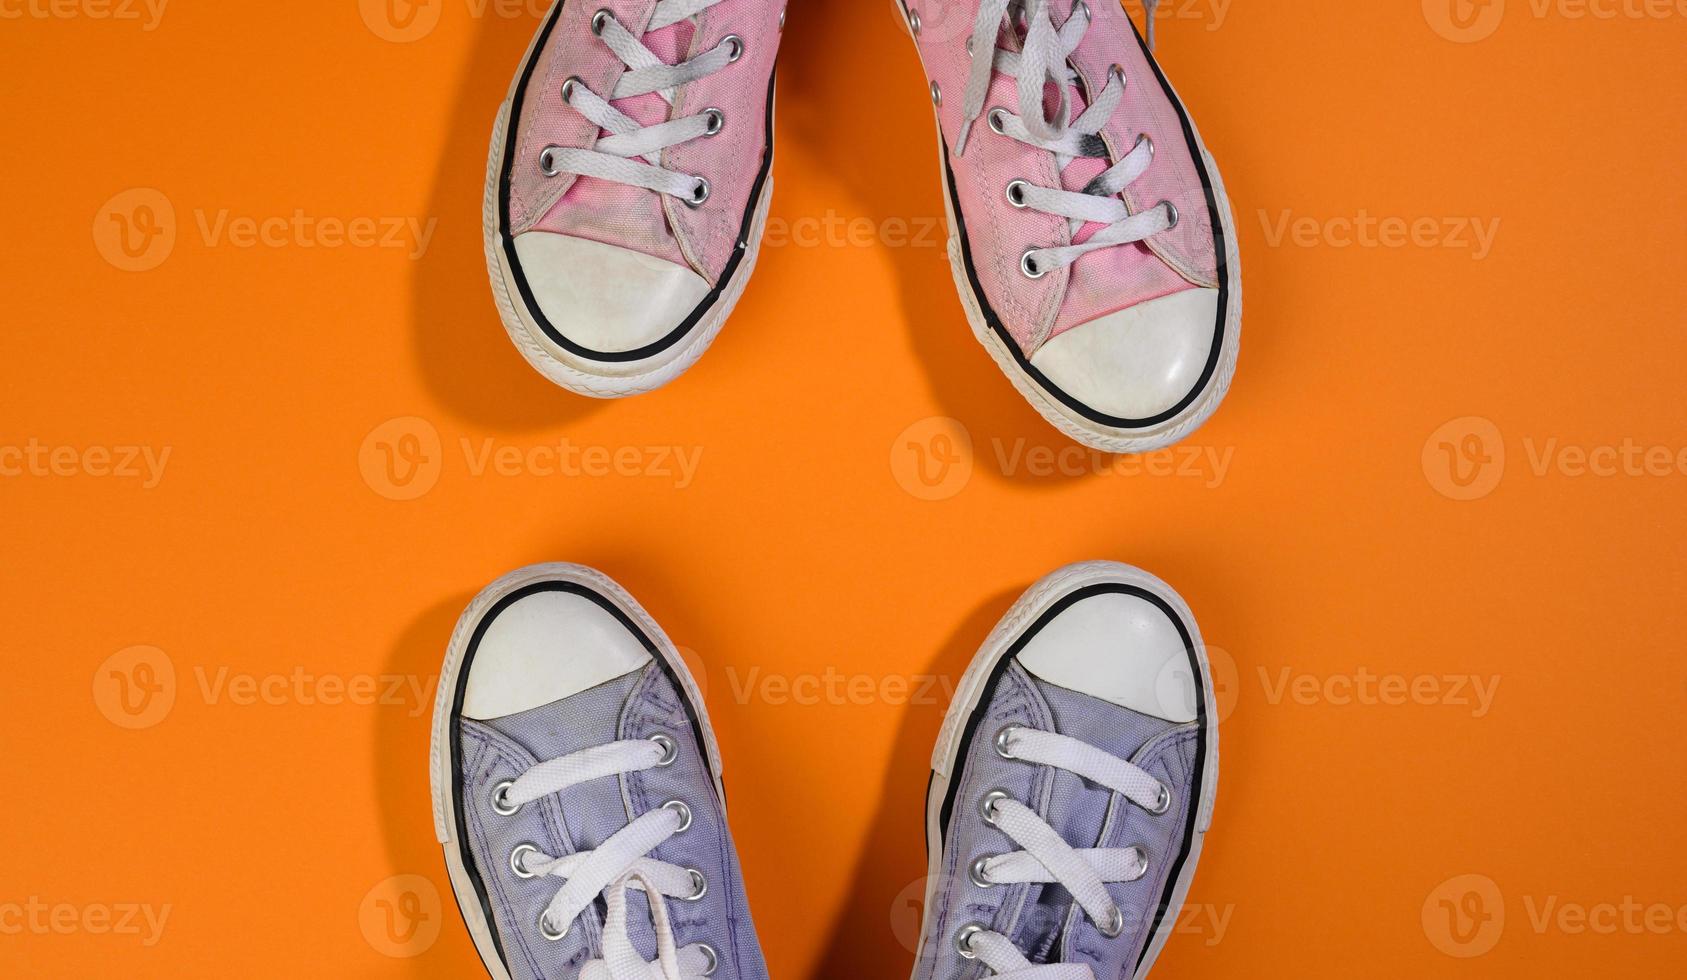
(1077, 808)
(620, 214)
(595, 811)
(581, 721)
(1078, 175)
(669, 44)
(1081, 171)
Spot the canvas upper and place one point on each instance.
(1130, 331)
(1106, 662)
(611, 267)
(552, 636)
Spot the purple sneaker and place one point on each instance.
(1073, 784)
(575, 776)
(629, 184)
(1089, 233)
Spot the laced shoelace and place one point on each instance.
(629, 154)
(1044, 57)
(1046, 858)
(621, 864)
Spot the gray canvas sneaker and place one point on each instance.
(1072, 784)
(575, 776)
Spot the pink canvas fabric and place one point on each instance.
(702, 239)
(1101, 282)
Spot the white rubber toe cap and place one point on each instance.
(543, 648)
(1136, 363)
(605, 298)
(1121, 649)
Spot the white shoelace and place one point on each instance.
(1042, 58)
(620, 864)
(629, 154)
(1047, 858)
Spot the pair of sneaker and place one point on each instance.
(1090, 238)
(577, 788)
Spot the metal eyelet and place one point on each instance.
(699, 194)
(735, 44)
(547, 161)
(963, 941)
(549, 933)
(914, 22)
(1142, 138)
(977, 872)
(1079, 6)
(670, 751)
(568, 88)
(1118, 71)
(1171, 212)
(969, 44)
(515, 860)
(1141, 859)
(684, 814)
(1115, 925)
(1163, 802)
(1029, 267)
(936, 94)
(601, 19)
(699, 886)
(782, 17)
(1016, 192)
(713, 958)
(998, 120)
(987, 806)
(1006, 734)
(716, 120)
(501, 806)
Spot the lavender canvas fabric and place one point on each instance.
(634, 706)
(1042, 920)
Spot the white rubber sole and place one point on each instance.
(1026, 611)
(592, 378)
(1074, 425)
(439, 759)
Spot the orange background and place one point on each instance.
(1327, 547)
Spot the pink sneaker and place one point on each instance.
(628, 185)
(1089, 233)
